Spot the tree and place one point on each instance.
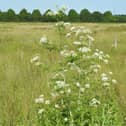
(97, 16)
(73, 16)
(85, 15)
(36, 15)
(0, 15)
(24, 15)
(120, 18)
(10, 15)
(49, 16)
(108, 17)
(3, 16)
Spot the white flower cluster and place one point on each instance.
(42, 100)
(106, 80)
(36, 60)
(77, 77)
(43, 40)
(67, 53)
(63, 24)
(101, 56)
(94, 102)
(84, 50)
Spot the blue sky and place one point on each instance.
(116, 6)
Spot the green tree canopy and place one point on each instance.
(73, 16)
(36, 15)
(10, 15)
(24, 15)
(97, 16)
(85, 15)
(107, 16)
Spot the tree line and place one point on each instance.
(73, 16)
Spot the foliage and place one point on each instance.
(24, 15)
(36, 15)
(81, 93)
(84, 16)
(73, 16)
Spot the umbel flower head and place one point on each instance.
(43, 40)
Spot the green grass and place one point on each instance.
(21, 83)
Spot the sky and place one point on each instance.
(115, 6)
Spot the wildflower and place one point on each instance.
(106, 84)
(78, 84)
(87, 86)
(41, 96)
(78, 32)
(54, 95)
(43, 40)
(77, 43)
(65, 119)
(64, 53)
(107, 56)
(35, 59)
(96, 54)
(114, 81)
(110, 73)
(65, 70)
(68, 35)
(97, 50)
(101, 52)
(67, 53)
(57, 75)
(39, 100)
(103, 75)
(81, 37)
(57, 106)
(47, 102)
(61, 92)
(41, 111)
(95, 70)
(73, 54)
(98, 66)
(90, 38)
(94, 102)
(72, 28)
(38, 63)
(60, 24)
(104, 78)
(84, 49)
(106, 61)
(61, 84)
(69, 91)
(82, 90)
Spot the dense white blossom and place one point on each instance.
(40, 111)
(84, 50)
(43, 40)
(94, 102)
(39, 100)
(87, 85)
(35, 59)
(77, 43)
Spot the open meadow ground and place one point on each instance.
(21, 83)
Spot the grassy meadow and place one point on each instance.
(21, 82)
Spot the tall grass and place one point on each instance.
(21, 83)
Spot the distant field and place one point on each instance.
(21, 83)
